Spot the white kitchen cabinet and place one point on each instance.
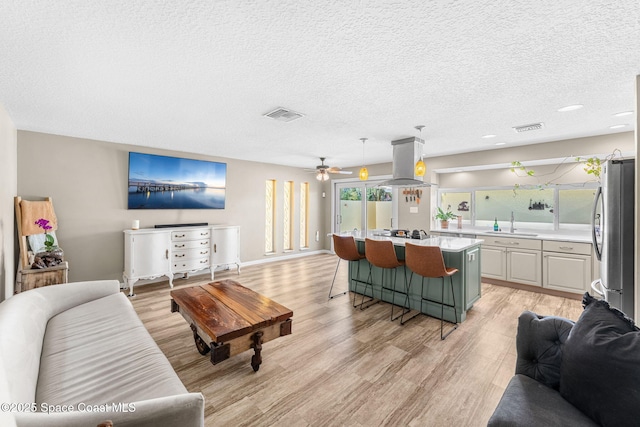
(567, 266)
(494, 262)
(524, 266)
(146, 256)
(512, 259)
(155, 252)
(225, 248)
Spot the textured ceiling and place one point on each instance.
(197, 76)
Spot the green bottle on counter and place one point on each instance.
(495, 225)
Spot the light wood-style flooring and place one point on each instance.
(342, 366)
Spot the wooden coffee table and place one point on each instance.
(232, 318)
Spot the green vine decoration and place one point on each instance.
(592, 166)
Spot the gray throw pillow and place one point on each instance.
(600, 371)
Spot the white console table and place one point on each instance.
(150, 253)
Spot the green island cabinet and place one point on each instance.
(461, 253)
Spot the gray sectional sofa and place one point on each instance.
(582, 374)
(77, 354)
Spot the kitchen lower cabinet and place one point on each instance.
(524, 266)
(512, 259)
(494, 262)
(567, 266)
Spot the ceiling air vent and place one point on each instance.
(527, 128)
(283, 115)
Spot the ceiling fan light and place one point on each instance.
(420, 168)
(363, 174)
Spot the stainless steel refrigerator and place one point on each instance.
(613, 234)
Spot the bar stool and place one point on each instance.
(427, 261)
(346, 249)
(381, 254)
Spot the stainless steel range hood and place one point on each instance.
(406, 152)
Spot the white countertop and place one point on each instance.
(446, 244)
(579, 236)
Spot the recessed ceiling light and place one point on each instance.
(489, 136)
(570, 108)
(500, 143)
(624, 113)
(617, 126)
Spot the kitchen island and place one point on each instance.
(460, 253)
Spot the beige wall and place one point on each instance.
(8, 189)
(87, 180)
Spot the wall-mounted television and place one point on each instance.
(163, 182)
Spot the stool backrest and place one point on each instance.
(427, 261)
(345, 247)
(381, 253)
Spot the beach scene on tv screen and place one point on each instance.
(162, 182)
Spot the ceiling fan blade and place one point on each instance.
(341, 172)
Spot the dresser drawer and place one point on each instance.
(510, 242)
(567, 247)
(190, 244)
(195, 253)
(190, 264)
(180, 235)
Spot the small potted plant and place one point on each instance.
(444, 217)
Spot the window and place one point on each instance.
(270, 216)
(288, 215)
(533, 206)
(304, 215)
(457, 202)
(559, 207)
(575, 205)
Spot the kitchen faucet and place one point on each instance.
(511, 230)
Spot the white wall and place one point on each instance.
(87, 180)
(8, 190)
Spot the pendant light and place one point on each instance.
(420, 168)
(364, 173)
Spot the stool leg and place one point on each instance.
(406, 289)
(406, 303)
(455, 313)
(334, 280)
(368, 283)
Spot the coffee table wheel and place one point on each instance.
(202, 347)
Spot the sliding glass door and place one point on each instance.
(363, 206)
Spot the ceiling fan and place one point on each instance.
(322, 171)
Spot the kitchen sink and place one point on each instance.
(506, 233)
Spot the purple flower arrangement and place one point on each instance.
(48, 242)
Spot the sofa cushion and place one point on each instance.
(539, 344)
(600, 372)
(23, 324)
(100, 352)
(528, 403)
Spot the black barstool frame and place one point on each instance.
(442, 305)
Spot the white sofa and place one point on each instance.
(80, 352)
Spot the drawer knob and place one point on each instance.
(566, 248)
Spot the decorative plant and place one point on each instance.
(444, 216)
(49, 243)
(592, 166)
